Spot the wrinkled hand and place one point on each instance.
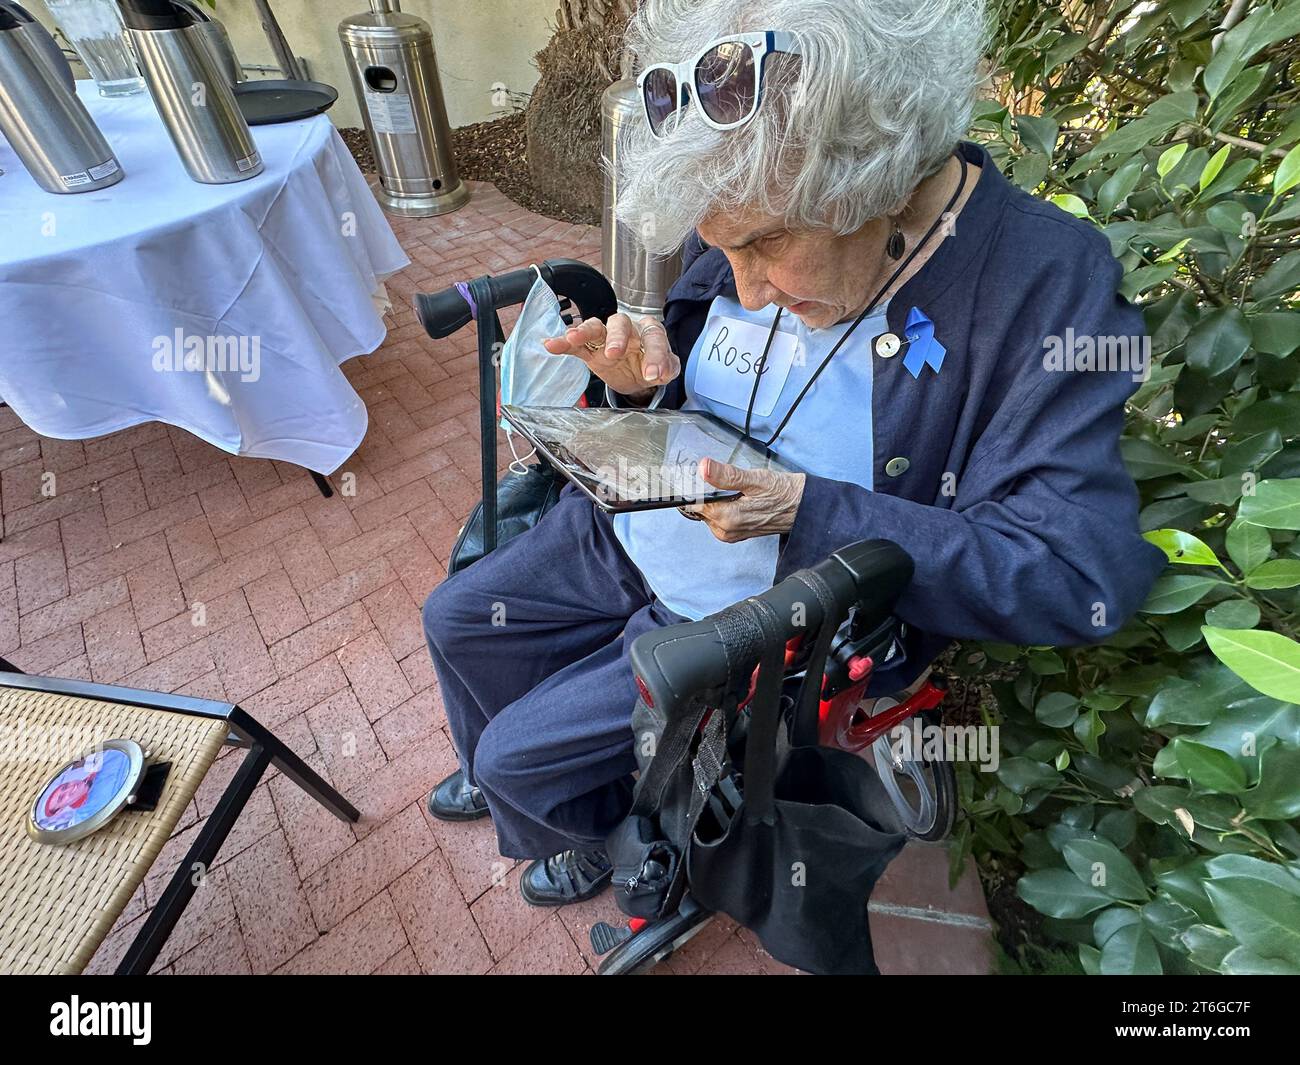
(633, 360)
(767, 504)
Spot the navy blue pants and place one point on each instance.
(530, 647)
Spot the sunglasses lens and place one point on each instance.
(725, 82)
(660, 89)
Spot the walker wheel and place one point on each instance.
(639, 952)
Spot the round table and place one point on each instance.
(222, 309)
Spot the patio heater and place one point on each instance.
(641, 281)
(395, 76)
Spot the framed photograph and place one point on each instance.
(87, 793)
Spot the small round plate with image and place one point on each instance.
(87, 793)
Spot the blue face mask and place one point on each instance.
(530, 375)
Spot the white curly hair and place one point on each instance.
(881, 94)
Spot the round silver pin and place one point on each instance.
(887, 345)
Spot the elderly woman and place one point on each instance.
(900, 296)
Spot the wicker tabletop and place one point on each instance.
(57, 903)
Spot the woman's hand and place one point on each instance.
(633, 360)
(767, 504)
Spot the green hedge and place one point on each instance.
(1150, 787)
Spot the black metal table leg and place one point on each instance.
(292, 766)
(326, 489)
(144, 949)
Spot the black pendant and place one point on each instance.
(897, 245)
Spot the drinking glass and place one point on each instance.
(94, 29)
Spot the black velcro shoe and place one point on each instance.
(456, 799)
(564, 878)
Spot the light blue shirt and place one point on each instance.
(689, 569)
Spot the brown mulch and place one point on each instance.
(488, 151)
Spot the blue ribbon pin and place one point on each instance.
(923, 349)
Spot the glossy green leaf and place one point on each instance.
(1233, 614)
(1248, 544)
(1145, 459)
(1059, 893)
(1207, 945)
(1276, 796)
(1177, 591)
(1273, 504)
(1268, 661)
(1218, 342)
(1280, 279)
(1022, 775)
(1170, 157)
(1244, 962)
(1212, 168)
(1057, 709)
(1276, 333)
(1208, 767)
(1183, 548)
(1067, 201)
(1287, 175)
(1131, 952)
(1037, 134)
(1198, 700)
(1279, 573)
(1259, 915)
(1100, 864)
(1248, 455)
(1116, 188)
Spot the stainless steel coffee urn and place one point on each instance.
(44, 42)
(395, 76)
(44, 122)
(213, 32)
(192, 93)
(641, 281)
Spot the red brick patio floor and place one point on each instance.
(311, 621)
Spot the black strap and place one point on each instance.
(961, 185)
(742, 641)
(708, 764)
(760, 367)
(490, 336)
(764, 720)
(807, 712)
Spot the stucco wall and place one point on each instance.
(479, 42)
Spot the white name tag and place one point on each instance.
(727, 361)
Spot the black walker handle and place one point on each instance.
(681, 662)
(442, 313)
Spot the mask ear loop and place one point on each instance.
(517, 462)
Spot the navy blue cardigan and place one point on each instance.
(1033, 536)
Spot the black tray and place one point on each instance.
(266, 102)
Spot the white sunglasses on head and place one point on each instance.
(726, 79)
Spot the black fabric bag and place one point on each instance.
(791, 847)
(522, 501)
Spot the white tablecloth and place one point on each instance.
(94, 288)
